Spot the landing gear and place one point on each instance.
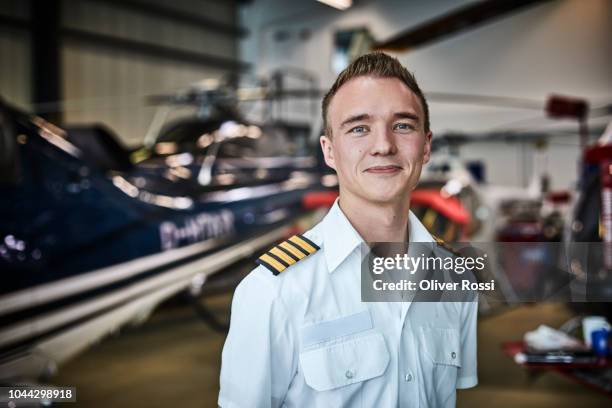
(223, 283)
(207, 315)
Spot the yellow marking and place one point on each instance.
(449, 235)
(272, 262)
(429, 219)
(292, 249)
(283, 256)
(305, 245)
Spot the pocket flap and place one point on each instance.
(345, 363)
(331, 329)
(442, 345)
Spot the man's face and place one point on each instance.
(378, 143)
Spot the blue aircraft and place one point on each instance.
(91, 238)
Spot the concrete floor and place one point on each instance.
(174, 359)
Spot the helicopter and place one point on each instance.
(94, 235)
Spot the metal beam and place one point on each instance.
(181, 17)
(141, 47)
(462, 19)
(153, 50)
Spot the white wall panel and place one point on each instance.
(514, 164)
(113, 20)
(15, 72)
(222, 11)
(111, 87)
(106, 85)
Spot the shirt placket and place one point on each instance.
(407, 365)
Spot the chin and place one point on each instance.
(388, 194)
(385, 197)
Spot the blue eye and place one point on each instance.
(358, 129)
(404, 126)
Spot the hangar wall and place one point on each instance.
(15, 55)
(554, 47)
(102, 82)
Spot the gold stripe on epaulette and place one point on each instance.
(303, 244)
(287, 253)
(283, 256)
(292, 249)
(271, 263)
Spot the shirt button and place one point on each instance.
(453, 355)
(408, 377)
(349, 374)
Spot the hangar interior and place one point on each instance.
(151, 150)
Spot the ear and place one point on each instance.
(328, 151)
(427, 147)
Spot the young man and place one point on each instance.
(300, 334)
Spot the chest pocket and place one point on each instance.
(441, 345)
(343, 363)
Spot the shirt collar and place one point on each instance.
(418, 232)
(340, 238)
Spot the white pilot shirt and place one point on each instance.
(304, 338)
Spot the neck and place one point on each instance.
(377, 222)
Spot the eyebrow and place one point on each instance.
(355, 118)
(365, 116)
(406, 115)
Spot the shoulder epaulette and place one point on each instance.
(287, 253)
(446, 246)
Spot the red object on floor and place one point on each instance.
(512, 348)
(450, 207)
(568, 370)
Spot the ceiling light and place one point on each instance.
(339, 4)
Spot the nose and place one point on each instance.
(383, 143)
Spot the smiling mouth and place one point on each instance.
(383, 169)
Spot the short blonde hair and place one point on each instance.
(380, 65)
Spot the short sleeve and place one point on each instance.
(258, 360)
(468, 374)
